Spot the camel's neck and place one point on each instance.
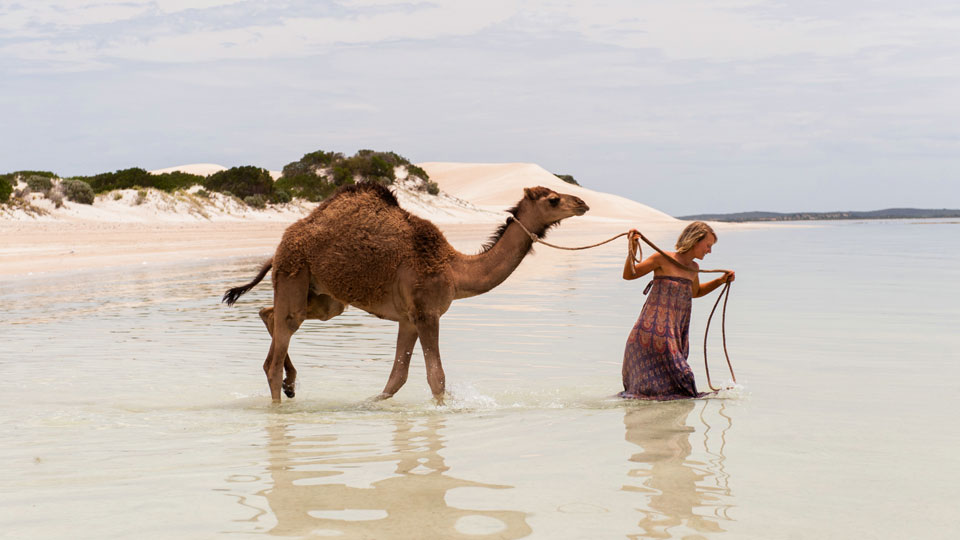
(477, 274)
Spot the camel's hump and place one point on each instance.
(379, 190)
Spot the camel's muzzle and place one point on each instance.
(581, 208)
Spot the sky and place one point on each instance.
(686, 106)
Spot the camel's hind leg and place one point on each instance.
(289, 311)
(289, 381)
(320, 307)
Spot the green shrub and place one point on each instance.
(40, 184)
(567, 178)
(311, 163)
(374, 166)
(6, 187)
(255, 201)
(133, 177)
(306, 186)
(335, 170)
(433, 188)
(413, 170)
(78, 191)
(241, 181)
(371, 165)
(203, 193)
(280, 196)
(141, 196)
(342, 175)
(27, 174)
(173, 181)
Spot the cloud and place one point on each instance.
(170, 32)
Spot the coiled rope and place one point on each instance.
(724, 293)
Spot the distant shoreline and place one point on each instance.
(888, 213)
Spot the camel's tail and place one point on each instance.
(233, 294)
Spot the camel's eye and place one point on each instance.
(554, 200)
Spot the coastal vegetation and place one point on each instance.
(78, 191)
(318, 174)
(313, 177)
(6, 187)
(139, 178)
(568, 178)
(242, 182)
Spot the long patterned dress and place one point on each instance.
(655, 360)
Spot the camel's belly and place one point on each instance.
(383, 312)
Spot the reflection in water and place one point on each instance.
(682, 493)
(308, 498)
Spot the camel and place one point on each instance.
(360, 248)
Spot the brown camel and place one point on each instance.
(360, 248)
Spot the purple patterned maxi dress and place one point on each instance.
(655, 360)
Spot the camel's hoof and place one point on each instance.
(288, 390)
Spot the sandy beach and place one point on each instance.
(117, 230)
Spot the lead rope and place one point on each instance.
(723, 332)
(725, 291)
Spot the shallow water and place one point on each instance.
(134, 404)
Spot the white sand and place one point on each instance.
(500, 185)
(127, 227)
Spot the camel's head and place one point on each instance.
(547, 207)
(540, 209)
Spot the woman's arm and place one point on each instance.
(710, 286)
(633, 270)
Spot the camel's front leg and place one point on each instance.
(406, 339)
(290, 380)
(429, 330)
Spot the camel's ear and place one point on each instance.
(534, 193)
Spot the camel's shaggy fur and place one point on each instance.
(361, 248)
(357, 239)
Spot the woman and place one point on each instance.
(655, 360)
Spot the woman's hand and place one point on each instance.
(729, 277)
(633, 248)
(633, 243)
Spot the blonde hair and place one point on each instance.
(692, 234)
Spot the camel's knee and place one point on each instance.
(294, 320)
(266, 315)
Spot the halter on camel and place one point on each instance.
(724, 293)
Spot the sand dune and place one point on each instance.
(201, 169)
(500, 185)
